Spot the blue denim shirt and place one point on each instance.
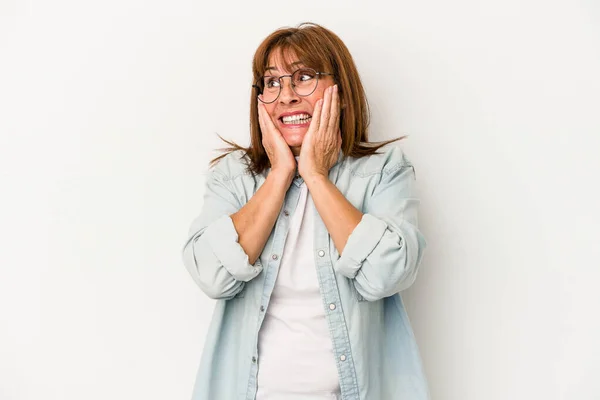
(373, 343)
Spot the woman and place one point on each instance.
(306, 238)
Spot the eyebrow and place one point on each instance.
(292, 64)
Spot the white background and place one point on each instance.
(108, 117)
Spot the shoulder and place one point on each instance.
(232, 165)
(387, 160)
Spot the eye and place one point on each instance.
(271, 82)
(304, 75)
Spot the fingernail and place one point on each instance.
(335, 88)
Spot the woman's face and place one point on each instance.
(289, 103)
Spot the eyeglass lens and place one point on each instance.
(304, 82)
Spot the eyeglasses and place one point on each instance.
(304, 82)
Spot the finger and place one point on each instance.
(326, 108)
(265, 140)
(265, 120)
(315, 123)
(334, 113)
(268, 120)
(260, 117)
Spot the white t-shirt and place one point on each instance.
(295, 350)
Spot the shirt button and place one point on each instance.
(254, 359)
(262, 308)
(274, 257)
(286, 213)
(321, 253)
(332, 306)
(343, 357)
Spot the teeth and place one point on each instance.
(294, 119)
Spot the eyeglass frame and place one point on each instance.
(291, 83)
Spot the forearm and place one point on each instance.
(338, 214)
(255, 220)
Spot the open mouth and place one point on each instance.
(297, 119)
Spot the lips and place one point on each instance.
(295, 118)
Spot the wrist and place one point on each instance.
(315, 177)
(281, 177)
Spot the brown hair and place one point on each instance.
(323, 50)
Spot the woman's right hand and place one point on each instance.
(280, 155)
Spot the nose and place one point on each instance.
(287, 95)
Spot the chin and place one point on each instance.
(294, 140)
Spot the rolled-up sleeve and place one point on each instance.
(212, 254)
(383, 252)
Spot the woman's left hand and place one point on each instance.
(323, 140)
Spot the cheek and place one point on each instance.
(323, 85)
(318, 94)
(271, 111)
